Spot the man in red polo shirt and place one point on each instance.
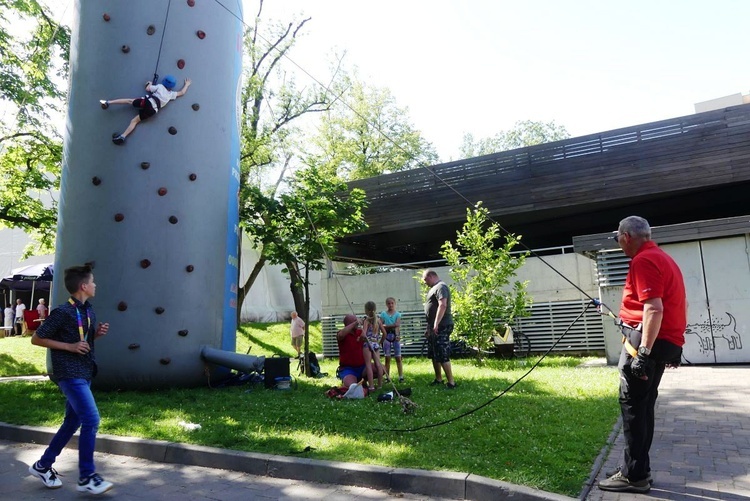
(654, 318)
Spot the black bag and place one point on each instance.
(274, 367)
(315, 366)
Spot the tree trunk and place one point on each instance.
(298, 293)
(242, 291)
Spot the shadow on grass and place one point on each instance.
(9, 366)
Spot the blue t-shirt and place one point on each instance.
(390, 320)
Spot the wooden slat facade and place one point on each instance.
(687, 168)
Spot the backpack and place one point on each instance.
(315, 365)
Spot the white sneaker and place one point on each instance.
(48, 476)
(94, 484)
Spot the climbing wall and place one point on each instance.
(157, 215)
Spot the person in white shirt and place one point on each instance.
(158, 96)
(20, 307)
(9, 314)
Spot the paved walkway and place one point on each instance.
(701, 446)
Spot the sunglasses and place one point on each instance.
(617, 236)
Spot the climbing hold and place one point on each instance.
(172, 130)
(133, 346)
(180, 63)
(145, 263)
(159, 310)
(189, 268)
(122, 306)
(145, 165)
(165, 361)
(196, 106)
(96, 181)
(119, 217)
(201, 34)
(106, 17)
(150, 30)
(191, 3)
(183, 332)
(192, 177)
(125, 49)
(173, 219)
(162, 191)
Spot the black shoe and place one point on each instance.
(118, 139)
(437, 383)
(105, 104)
(618, 483)
(614, 472)
(450, 386)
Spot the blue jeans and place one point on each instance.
(80, 410)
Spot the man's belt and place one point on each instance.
(626, 342)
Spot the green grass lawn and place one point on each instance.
(545, 433)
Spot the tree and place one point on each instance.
(300, 228)
(366, 134)
(482, 270)
(33, 67)
(271, 103)
(523, 133)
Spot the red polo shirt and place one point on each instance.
(654, 274)
(350, 350)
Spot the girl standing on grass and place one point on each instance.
(375, 332)
(392, 344)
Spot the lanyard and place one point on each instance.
(80, 321)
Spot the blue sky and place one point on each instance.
(481, 65)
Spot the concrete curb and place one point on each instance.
(444, 484)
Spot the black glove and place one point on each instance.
(639, 365)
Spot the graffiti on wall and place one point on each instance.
(712, 331)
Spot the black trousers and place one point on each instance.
(637, 402)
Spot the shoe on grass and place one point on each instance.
(617, 470)
(118, 139)
(450, 386)
(619, 483)
(94, 484)
(437, 382)
(48, 476)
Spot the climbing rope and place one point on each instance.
(161, 43)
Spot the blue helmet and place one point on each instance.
(169, 82)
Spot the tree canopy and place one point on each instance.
(523, 133)
(33, 71)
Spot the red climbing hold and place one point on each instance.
(122, 306)
(145, 263)
(96, 181)
(159, 310)
(119, 217)
(183, 332)
(150, 30)
(133, 346)
(165, 361)
(196, 106)
(180, 63)
(201, 34)
(145, 165)
(192, 177)
(106, 17)
(173, 219)
(125, 49)
(162, 191)
(172, 130)
(191, 3)
(189, 268)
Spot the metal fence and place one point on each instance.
(544, 326)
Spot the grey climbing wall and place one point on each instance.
(157, 215)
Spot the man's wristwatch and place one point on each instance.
(644, 350)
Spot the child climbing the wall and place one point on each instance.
(375, 332)
(149, 105)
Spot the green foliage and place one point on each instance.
(523, 133)
(482, 293)
(33, 67)
(366, 134)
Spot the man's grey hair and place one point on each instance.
(636, 226)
